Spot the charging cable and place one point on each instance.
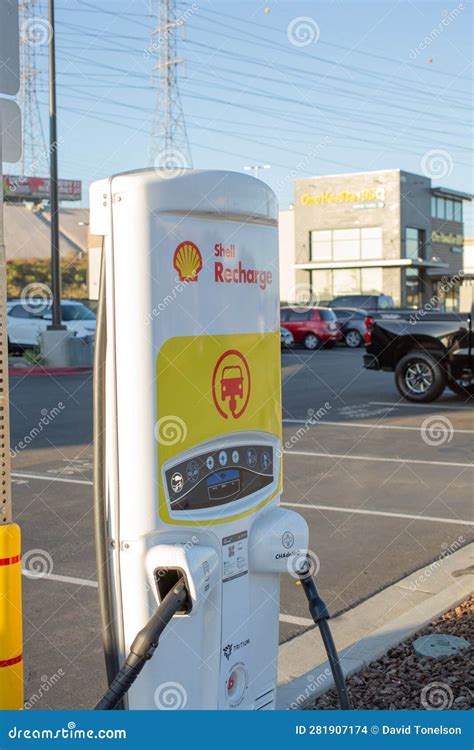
(143, 647)
(320, 614)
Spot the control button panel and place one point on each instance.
(219, 477)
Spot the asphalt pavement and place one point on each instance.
(385, 486)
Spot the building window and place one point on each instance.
(371, 280)
(327, 284)
(414, 243)
(447, 296)
(346, 244)
(321, 245)
(440, 208)
(321, 285)
(345, 281)
(412, 288)
(446, 209)
(371, 243)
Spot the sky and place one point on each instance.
(310, 88)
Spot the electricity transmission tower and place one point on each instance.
(33, 33)
(169, 146)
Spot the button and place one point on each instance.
(251, 457)
(177, 482)
(192, 471)
(222, 458)
(235, 457)
(236, 684)
(210, 462)
(265, 460)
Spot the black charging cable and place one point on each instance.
(144, 646)
(320, 614)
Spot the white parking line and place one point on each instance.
(387, 514)
(62, 579)
(433, 407)
(368, 426)
(48, 478)
(378, 458)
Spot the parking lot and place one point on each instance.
(385, 486)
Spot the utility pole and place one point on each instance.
(169, 146)
(255, 168)
(53, 161)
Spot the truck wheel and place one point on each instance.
(419, 377)
(311, 341)
(353, 338)
(466, 390)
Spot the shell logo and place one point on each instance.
(187, 260)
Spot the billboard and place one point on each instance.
(16, 187)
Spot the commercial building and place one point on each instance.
(385, 231)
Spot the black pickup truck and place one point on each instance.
(427, 351)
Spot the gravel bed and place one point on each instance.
(403, 680)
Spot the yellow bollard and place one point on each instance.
(11, 639)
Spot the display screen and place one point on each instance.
(219, 477)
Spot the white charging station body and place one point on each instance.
(193, 431)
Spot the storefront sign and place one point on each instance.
(448, 238)
(368, 198)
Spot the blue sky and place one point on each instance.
(309, 88)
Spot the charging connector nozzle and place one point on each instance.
(144, 646)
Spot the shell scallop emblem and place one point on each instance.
(187, 261)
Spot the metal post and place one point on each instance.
(5, 492)
(53, 160)
(11, 641)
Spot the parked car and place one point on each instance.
(286, 337)
(372, 302)
(352, 324)
(311, 326)
(27, 319)
(427, 353)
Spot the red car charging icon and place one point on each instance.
(231, 384)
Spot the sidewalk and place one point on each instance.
(367, 632)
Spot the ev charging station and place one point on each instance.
(188, 429)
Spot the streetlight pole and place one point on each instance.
(255, 168)
(53, 161)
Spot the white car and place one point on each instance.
(286, 337)
(27, 319)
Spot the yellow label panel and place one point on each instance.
(209, 386)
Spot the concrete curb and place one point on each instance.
(423, 596)
(14, 371)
